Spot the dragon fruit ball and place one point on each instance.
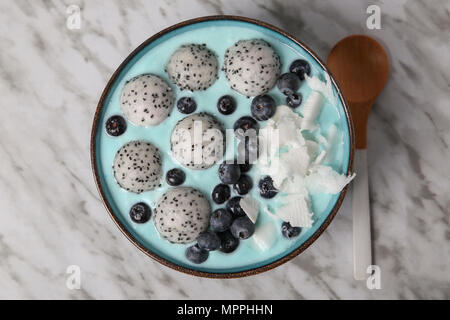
(146, 100)
(251, 67)
(197, 141)
(193, 67)
(181, 214)
(137, 167)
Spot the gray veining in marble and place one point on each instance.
(51, 215)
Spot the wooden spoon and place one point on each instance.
(361, 67)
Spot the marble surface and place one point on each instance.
(51, 217)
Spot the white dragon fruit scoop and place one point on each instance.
(197, 141)
(252, 67)
(181, 214)
(137, 167)
(193, 67)
(146, 100)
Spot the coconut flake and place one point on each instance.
(294, 185)
(333, 137)
(310, 110)
(313, 104)
(265, 236)
(323, 179)
(325, 88)
(289, 132)
(250, 206)
(296, 211)
(291, 163)
(284, 149)
(320, 157)
(294, 162)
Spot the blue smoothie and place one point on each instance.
(218, 36)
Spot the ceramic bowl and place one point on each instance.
(218, 33)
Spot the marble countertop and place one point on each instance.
(52, 217)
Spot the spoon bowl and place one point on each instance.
(361, 67)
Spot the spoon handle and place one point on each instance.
(362, 250)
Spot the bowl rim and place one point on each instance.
(165, 262)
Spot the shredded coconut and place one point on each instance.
(296, 162)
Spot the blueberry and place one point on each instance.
(266, 188)
(242, 228)
(294, 100)
(186, 105)
(140, 212)
(116, 125)
(175, 177)
(220, 193)
(208, 240)
(300, 67)
(245, 167)
(221, 220)
(243, 124)
(234, 207)
(243, 185)
(226, 105)
(228, 242)
(263, 107)
(196, 254)
(248, 150)
(229, 173)
(288, 83)
(289, 231)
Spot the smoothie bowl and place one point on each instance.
(222, 147)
